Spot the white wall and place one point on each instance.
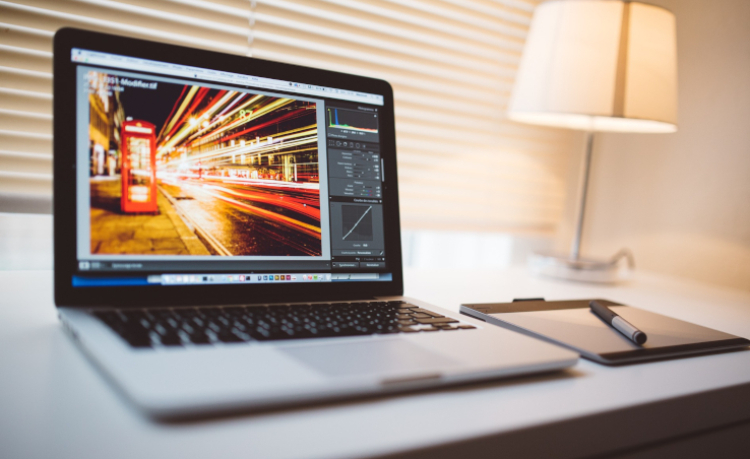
(681, 201)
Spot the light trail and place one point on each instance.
(235, 101)
(215, 105)
(193, 105)
(174, 107)
(262, 125)
(300, 226)
(258, 98)
(299, 205)
(254, 147)
(255, 115)
(302, 200)
(300, 186)
(303, 187)
(211, 135)
(184, 104)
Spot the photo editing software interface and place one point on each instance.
(193, 176)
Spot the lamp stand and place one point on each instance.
(576, 249)
(574, 267)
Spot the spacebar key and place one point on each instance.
(436, 320)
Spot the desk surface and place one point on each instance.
(54, 403)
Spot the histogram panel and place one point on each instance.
(353, 119)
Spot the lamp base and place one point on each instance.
(581, 269)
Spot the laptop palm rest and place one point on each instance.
(382, 356)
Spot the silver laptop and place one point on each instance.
(227, 235)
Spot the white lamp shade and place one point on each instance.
(606, 65)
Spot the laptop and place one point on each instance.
(227, 235)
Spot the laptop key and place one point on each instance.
(199, 337)
(171, 339)
(429, 313)
(229, 338)
(141, 341)
(436, 320)
(420, 315)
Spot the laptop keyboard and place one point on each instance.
(209, 325)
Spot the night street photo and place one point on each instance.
(191, 170)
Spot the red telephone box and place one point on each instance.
(138, 167)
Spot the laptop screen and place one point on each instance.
(189, 175)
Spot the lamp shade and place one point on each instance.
(598, 65)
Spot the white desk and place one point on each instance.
(54, 403)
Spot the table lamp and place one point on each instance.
(596, 65)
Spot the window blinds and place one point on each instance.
(462, 165)
(26, 31)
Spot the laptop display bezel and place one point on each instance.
(64, 198)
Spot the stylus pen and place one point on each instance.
(619, 324)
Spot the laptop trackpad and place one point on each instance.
(381, 356)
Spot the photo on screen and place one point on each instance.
(183, 169)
